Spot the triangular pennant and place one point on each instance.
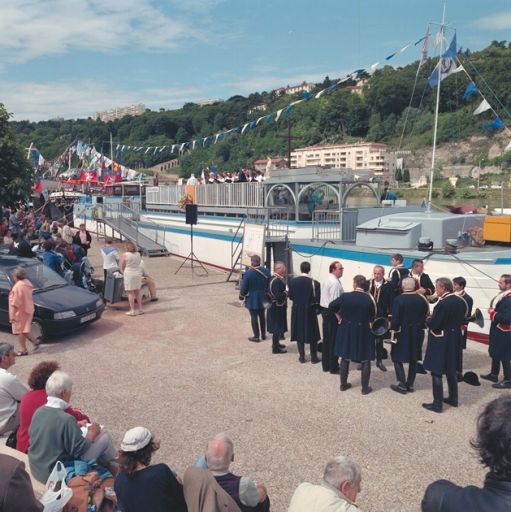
(483, 107)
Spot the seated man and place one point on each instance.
(55, 435)
(16, 492)
(247, 495)
(336, 493)
(493, 444)
(11, 390)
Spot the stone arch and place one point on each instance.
(350, 189)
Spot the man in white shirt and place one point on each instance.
(110, 256)
(336, 493)
(11, 390)
(331, 289)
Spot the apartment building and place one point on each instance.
(364, 155)
(119, 112)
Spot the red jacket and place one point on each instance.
(29, 404)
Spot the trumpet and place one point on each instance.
(432, 299)
(477, 318)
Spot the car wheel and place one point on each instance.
(37, 330)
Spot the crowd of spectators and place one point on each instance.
(51, 430)
(211, 175)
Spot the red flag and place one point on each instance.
(38, 186)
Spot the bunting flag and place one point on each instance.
(497, 124)
(483, 107)
(424, 48)
(470, 90)
(446, 65)
(390, 56)
(372, 70)
(508, 147)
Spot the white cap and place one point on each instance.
(135, 439)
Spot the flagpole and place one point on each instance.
(439, 76)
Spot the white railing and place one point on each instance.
(243, 195)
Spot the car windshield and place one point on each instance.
(43, 277)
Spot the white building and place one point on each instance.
(119, 112)
(363, 155)
(293, 89)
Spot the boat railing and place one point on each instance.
(335, 224)
(234, 195)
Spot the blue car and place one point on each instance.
(59, 306)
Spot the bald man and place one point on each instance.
(249, 496)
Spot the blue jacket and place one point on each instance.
(254, 287)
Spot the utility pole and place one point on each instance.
(289, 138)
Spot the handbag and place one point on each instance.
(90, 489)
(12, 440)
(57, 493)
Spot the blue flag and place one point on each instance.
(497, 124)
(446, 65)
(470, 90)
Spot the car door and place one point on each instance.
(5, 288)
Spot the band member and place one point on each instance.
(500, 334)
(409, 312)
(354, 341)
(305, 294)
(423, 283)
(397, 273)
(444, 340)
(331, 289)
(381, 292)
(458, 284)
(277, 314)
(253, 288)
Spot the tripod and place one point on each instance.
(192, 258)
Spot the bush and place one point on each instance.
(448, 190)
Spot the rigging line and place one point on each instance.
(409, 108)
(320, 249)
(487, 85)
(474, 267)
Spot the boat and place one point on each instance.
(305, 214)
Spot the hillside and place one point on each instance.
(378, 114)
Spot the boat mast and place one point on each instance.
(441, 46)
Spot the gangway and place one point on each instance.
(126, 221)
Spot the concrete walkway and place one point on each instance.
(186, 371)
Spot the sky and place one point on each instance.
(71, 58)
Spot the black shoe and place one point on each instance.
(398, 388)
(450, 402)
(281, 345)
(301, 359)
(504, 384)
(154, 299)
(381, 366)
(263, 337)
(367, 390)
(490, 376)
(254, 339)
(409, 388)
(420, 369)
(315, 360)
(345, 387)
(433, 407)
(279, 351)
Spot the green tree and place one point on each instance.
(16, 175)
(448, 190)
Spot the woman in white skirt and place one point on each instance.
(130, 266)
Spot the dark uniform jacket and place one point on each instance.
(445, 336)
(409, 313)
(500, 330)
(354, 340)
(277, 315)
(425, 282)
(305, 294)
(382, 296)
(396, 275)
(444, 496)
(254, 286)
(470, 303)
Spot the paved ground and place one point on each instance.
(186, 371)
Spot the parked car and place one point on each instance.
(59, 306)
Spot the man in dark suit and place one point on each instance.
(253, 288)
(423, 283)
(277, 314)
(305, 294)
(444, 339)
(500, 334)
(83, 238)
(354, 341)
(381, 292)
(458, 284)
(397, 273)
(493, 445)
(409, 312)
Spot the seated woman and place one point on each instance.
(36, 398)
(139, 486)
(50, 257)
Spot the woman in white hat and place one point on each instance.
(140, 486)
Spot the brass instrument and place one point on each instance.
(380, 327)
(477, 318)
(432, 299)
